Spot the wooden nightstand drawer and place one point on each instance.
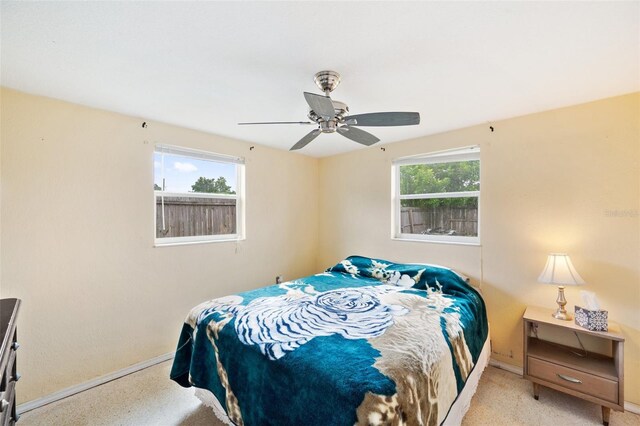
(573, 379)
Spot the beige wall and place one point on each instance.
(552, 181)
(77, 237)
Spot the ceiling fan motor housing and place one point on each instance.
(342, 111)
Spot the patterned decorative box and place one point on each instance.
(592, 320)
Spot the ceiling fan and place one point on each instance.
(333, 116)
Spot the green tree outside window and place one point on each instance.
(212, 186)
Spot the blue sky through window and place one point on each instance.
(182, 172)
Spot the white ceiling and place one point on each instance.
(209, 65)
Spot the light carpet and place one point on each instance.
(148, 397)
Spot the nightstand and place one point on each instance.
(594, 377)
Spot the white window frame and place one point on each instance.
(449, 156)
(239, 196)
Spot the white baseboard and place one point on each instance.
(504, 366)
(628, 406)
(631, 407)
(72, 390)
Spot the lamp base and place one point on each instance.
(561, 313)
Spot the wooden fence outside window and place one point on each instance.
(195, 216)
(462, 221)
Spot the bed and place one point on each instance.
(367, 342)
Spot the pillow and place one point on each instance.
(354, 265)
(418, 276)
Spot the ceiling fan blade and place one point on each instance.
(321, 105)
(278, 122)
(305, 140)
(384, 119)
(355, 134)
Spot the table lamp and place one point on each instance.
(560, 271)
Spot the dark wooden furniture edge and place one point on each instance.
(9, 309)
(6, 333)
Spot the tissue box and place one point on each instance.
(592, 320)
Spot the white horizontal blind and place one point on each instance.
(201, 155)
(450, 156)
(460, 194)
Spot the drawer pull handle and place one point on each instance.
(569, 379)
(16, 377)
(15, 346)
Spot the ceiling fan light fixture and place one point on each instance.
(328, 126)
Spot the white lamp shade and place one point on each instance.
(560, 271)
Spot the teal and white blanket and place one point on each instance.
(367, 342)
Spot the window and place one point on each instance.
(436, 196)
(198, 196)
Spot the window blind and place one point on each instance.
(201, 155)
(450, 156)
